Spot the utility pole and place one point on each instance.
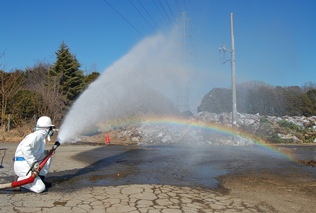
(234, 112)
(183, 92)
(183, 21)
(233, 70)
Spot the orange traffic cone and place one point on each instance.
(107, 138)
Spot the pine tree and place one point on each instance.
(65, 72)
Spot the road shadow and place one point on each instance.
(103, 170)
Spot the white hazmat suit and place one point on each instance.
(32, 149)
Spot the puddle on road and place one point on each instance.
(172, 165)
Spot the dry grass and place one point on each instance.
(16, 134)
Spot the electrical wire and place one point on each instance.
(178, 6)
(171, 11)
(159, 9)
(164, 11)
(148, 13)
(124, 18)
(142, 15)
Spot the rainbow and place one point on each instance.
(190, 124)
(221, 129)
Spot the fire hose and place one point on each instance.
(35, 171)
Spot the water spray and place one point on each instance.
(138, 82)
(35, 170)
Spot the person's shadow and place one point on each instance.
(63, 177)
(70, 177)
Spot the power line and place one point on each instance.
(164, 10)
(171, 11)
(178, 6)
(148, 13)
(141, 15)
(124, 18)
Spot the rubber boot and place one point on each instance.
(47, 184)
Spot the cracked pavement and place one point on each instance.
(128, 198)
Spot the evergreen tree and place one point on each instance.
(91, 77)
(65, 72)
(312, 96)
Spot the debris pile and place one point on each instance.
(308, 162)
(167, 134)
(274, 129)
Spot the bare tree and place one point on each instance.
(48, 87)
(10, 84)
(53, 98)
(308, 86)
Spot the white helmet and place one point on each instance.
(44, 122)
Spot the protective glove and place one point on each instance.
(34, 168)
(46, 152)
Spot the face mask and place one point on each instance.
(50, 133)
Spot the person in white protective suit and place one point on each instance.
(31, 150)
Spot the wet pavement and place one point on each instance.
(178, 178)
(180, 165)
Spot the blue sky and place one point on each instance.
(275, 40)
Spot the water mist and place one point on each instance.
(154, 66)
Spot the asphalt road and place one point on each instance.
(178, 178)
(179, 165)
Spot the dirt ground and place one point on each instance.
(285, 189)
(283, 194)
(279, 191)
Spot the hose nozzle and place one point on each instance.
(56, 145)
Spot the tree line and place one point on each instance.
(44, 89)
(258, 97)
(50, 89)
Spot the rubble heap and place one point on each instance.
(286, 129)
